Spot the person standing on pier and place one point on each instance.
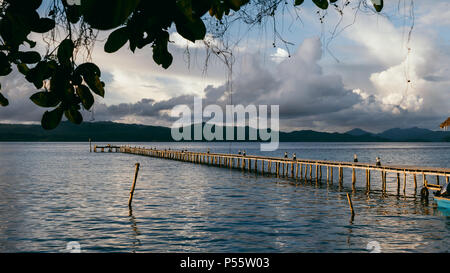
(355, 158)
(378, 161)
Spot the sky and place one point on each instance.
(361, 70)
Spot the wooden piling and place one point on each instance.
(350, 203)
(415, 183)
(134, 184)
(404, 183)
(331, 175)
(354, 177)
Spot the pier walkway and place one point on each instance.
(294, 168)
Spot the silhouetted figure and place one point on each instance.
(239, 152)
(378, 161)
(208, 150)
(243, 153)
(294, 157)
(355, 158)
(285, 155)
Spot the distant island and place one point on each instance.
(120, 132)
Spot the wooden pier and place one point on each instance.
(296, 168)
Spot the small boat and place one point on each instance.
(442, 202)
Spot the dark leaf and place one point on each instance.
(86, 97)
(95, 85)
(37, 74)
(73, 116)
(3, 101)
(26, 4)
(88, 69)
(50, 120)
(65, 51)
(30, 57)
(323, 4)
(161, 55)
(73, 13)
(116, 40)
(5, 68)
(107, 14)
(237, 4)
(60, 83)
(191, 30)
(43, 25)
(378, 4)
(45, 99)
(23, 68)
(31, 43)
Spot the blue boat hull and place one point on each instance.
(443, 202)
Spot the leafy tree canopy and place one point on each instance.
(65, 86)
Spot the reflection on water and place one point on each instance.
(52, 194)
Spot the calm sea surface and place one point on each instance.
(55, 193)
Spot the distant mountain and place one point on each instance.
(313, 136)
(100, 131)
(358, 132)
(414, 134)
(119, 132)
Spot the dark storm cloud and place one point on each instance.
(298, 85)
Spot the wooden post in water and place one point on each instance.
(350, 204)
(331, 175)
(404, 183)
(90, 146)
(415, 183)
(398, 183)
(354, 177)
(317, 172)
(134, 185)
